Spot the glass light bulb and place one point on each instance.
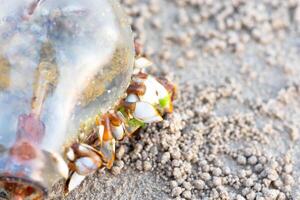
(61, 63)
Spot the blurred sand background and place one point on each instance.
(235, 130)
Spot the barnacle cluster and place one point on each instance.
(148, 99)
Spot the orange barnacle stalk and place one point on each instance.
(105, 122)
(107, 146)
(137, 88)
(117, 126)
(129, 107)
(114, 119)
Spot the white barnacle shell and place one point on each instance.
(100, 133)
(70, 154)
(83, 148)
(118, 132)
(86, 165)
(146, 113)
(154, 91)
(74, 181)
(132, 98)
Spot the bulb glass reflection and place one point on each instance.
(61, 62)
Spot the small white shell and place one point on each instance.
(70, 154)
(118, 132)
(132, 98)
(84, 148)
(100, 132)
(145, 112)
(85, 166)
(75, 181)
(154, 91)
(150, 95)
(161, 90)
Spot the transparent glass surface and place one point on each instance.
(61, 62)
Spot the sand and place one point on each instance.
(235, 130)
